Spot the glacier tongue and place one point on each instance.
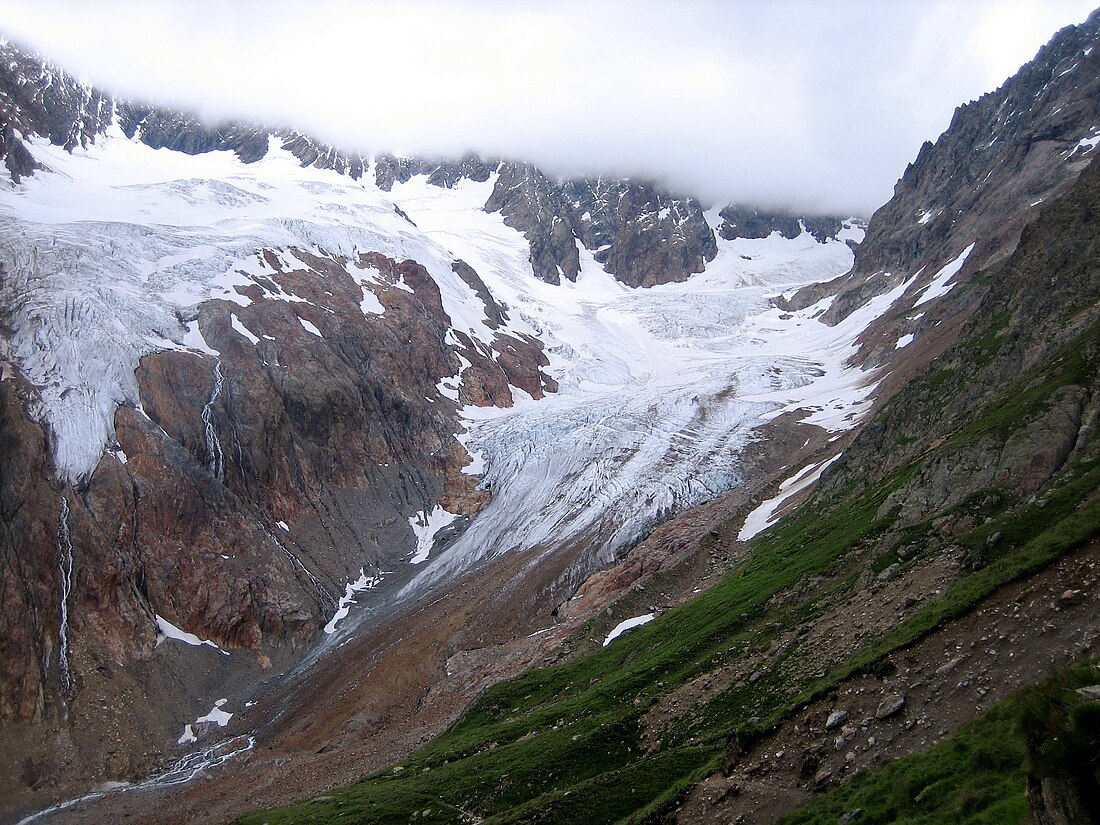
(659, 388)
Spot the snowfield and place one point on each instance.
(116, 245)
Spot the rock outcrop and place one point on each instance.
(741, 221)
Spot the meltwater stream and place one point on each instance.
(214, 461)
(65, 554)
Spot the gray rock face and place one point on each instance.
(640, 234)
(39, 99)
(1003, 156)
(740, 221)
(528, 201)
(182, 132)
(314, 153)
(390, 169)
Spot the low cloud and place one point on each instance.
(814, 104)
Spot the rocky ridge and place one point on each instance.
(980, 184)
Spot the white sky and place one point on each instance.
(813, 103)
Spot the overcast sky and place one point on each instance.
(814, 103)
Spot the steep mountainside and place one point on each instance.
(961, 205)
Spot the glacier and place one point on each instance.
(659, 388)
(113, 247)
(116, 245)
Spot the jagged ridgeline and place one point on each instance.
(265, 517)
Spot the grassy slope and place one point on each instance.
(562, 743)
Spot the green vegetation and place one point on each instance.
(564, 743)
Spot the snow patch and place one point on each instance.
(768, 512)
(236, 323)
(939, 286)
(905, 340)
(364, 582)
(1087, 144)
(192, 339)
(626, 625)
(309, 327)
(188, 736)
(167, 630)
(425, 526)
(217, 715)
(370, 305)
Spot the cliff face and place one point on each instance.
(974, 190)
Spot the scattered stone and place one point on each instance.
(821, 777)
(943, 670)
(850, 757)
(891, 572)
(326, 798)
(993, 540)
(1071, 597)
(848, 732)
(1090, 692)
(836, 719)
(845, 818)
(889, 706)
(840, 742)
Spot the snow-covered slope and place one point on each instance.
(110, 250)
